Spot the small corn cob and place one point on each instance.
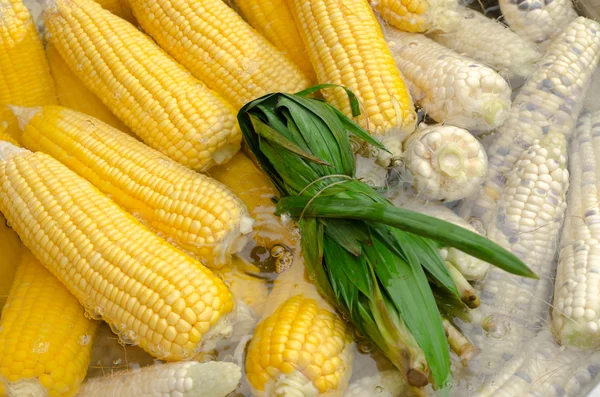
(26, 79)
(389, 383)
(71, 92)
(151, 293)
(251, 290)
(406, 15)
(537, 20)
(527, 222)
(483, 39)
(191, 210)
(300, 347)
(253, 187)
(450, 88)
(550, 100)
(184, 379)
(272, 19)
(576, 296)
(153, 95)
(10, 247)
(45, 339)
(445, 162)
(346, 46)
(120, 8)
(110, 355)
(218, 47)
(470, 267)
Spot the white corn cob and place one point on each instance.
(530, 211)
(592, 99)
(450, 88)
(550, 100)
(445, 162)
(576, 319)
(537, 20)
(470, 267)
(483, 39)
(389, 383)
(526, 222)
(544, 369)
(180, 379)
(536, 369)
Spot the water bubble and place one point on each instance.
(379, 389)
(312, 276)
(413, 44)
(364, 347)
(90, 126)
(85, 339)
(128, 338)
(40, 347)
(277, 250)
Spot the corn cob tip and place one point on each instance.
(234, 241)
(24, 114)
(24, 387)
(495, 110)
(225, 153)
(9, 151)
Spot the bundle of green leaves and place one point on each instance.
(379, 264)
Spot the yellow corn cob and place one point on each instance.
(4, 135)
(26, 79)
(347, 47)
(214, 43)
(191, 210)
(406, 15)
(118, 7)
(272, 19)
(45, 339)
(10, 250)
(157, 98)
(300, 345)
(71, 92)
(256, 190)
(149, 292)
(251, 290)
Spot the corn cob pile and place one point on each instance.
(105, 128)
